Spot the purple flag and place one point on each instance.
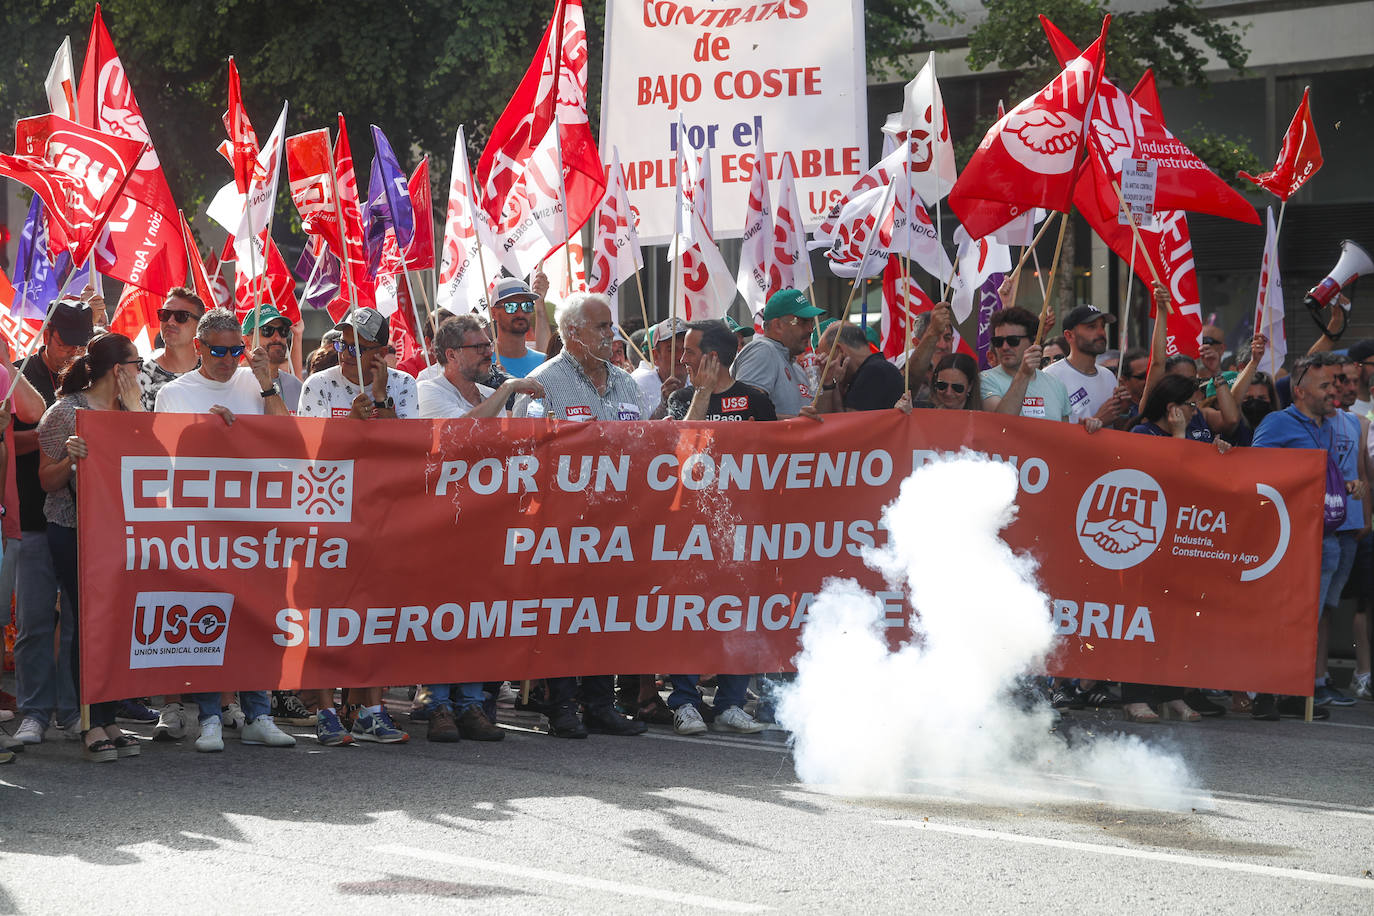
(988, 302)
(388, 202)
(321, 276)
(37, 282)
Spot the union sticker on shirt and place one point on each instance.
(579, 412)
(628, 411)
(1033, 407)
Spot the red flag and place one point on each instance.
(135, 316)
(142, 244)
(1030, 157)
(354, 255)
(903, 300)
(279, 288)
(420, 252)
(222, 296)
(545, 122)
(1299, 159)
(243, 141)
(199, 278)
(79, 173)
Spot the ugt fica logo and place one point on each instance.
(172, 629)
(1121, 518)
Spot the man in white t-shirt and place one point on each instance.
(465, 352)
(384, 393)
(221, 386)
(1093, 391)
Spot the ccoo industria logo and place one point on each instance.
(160, 488)
(1121, 518)
(172, 629)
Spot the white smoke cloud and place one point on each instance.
(941, 711)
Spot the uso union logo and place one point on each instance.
(172, 629)
(190, 489)
(1121, 518)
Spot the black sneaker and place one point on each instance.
(564, 723)
(1296, 708)
(606, 720)
(1066, 697)
(1100, 698)
(1265, 708)
(135, 711)
(287, 709)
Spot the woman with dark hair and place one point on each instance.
(954, 383)
(105, 377)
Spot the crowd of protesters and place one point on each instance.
(516, 363)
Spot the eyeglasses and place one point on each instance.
(220, 352)
(793, 320)
(954, 386)
(275, 330)
(484, 345)
(136, 361)
(513, 307)
(1011, 340)
(180, 316)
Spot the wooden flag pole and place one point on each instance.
(1126, 317)
(1054, 272)
(1030, 249)
(644, 314)
(1135, 232)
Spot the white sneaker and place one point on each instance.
(735, 719)
(1361, 687)
(30, 731)
(72, 730)
(232, 716)
(211, 736)
(508, 694)
(264, 731)
(687, 721)
(171, 723)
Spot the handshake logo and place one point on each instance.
(1121, 518)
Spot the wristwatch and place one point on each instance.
(830, 386)
(388, 404)
(275, 390)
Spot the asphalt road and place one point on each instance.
(662, 822)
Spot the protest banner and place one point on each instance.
(306, 553)
(792, 71)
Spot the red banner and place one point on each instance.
(306, 553)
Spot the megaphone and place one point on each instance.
(1354, 263)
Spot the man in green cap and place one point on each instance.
(276, 340)
(742, 332)
(769, 361)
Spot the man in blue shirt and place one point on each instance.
(1315, 420)
(514, 305)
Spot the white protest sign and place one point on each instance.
(791, 69)
(1138, 180)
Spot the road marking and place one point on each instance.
(711, 739)
(554, 877)
(1146, 854)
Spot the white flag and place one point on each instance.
(756, 244)
(789, 264)
(978, 260)
(61, 84)
(248, 217)
(923, 121)
(1269, 302)
(615, 250)
(468, 243)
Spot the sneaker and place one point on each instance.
(134, 711)
(171, 723)
(1326, 695)
(329, 731)
(232, 717)
(565, 723)
(1066, 696)
(687, 720)
(10, 744)
(507, 695)
(264, 732)
(1265, 708)
(605, 720)
(72, 730)
(377, 727)
(1296, 708)
(442, 727)
(474, 725)
(287, 709)
(31, 731)
(1360, 684)
(735, 719)
(211, 738)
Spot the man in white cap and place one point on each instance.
(513, 306)
(657, 381)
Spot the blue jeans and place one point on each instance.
(62, 546)
(254, 703)
(469, 694)
(44, 681)
(1338, 558)
(731, 690)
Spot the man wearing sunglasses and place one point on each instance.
(177, 327)
(769, 361)
(1015, 385)
(514, 306)
(385, 393)
(276, 340)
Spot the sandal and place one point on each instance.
(102, 750)
(1178, 709)
(655, 712)
(1139, 712)
(127, 745)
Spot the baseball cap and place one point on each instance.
(739, 328)
(1084, 314)
(269, 314)
(1359, 351)
(73, 321)
(789, 302)
(660, 331)
(368, 324)
(513, 289)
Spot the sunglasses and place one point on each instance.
(1211, 342)
(220, 352)
(955, 386)
(1012, 340)
(180, 316)
(352, 349)
(513, 307)
(275, 330)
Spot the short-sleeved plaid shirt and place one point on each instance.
(570, 395)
